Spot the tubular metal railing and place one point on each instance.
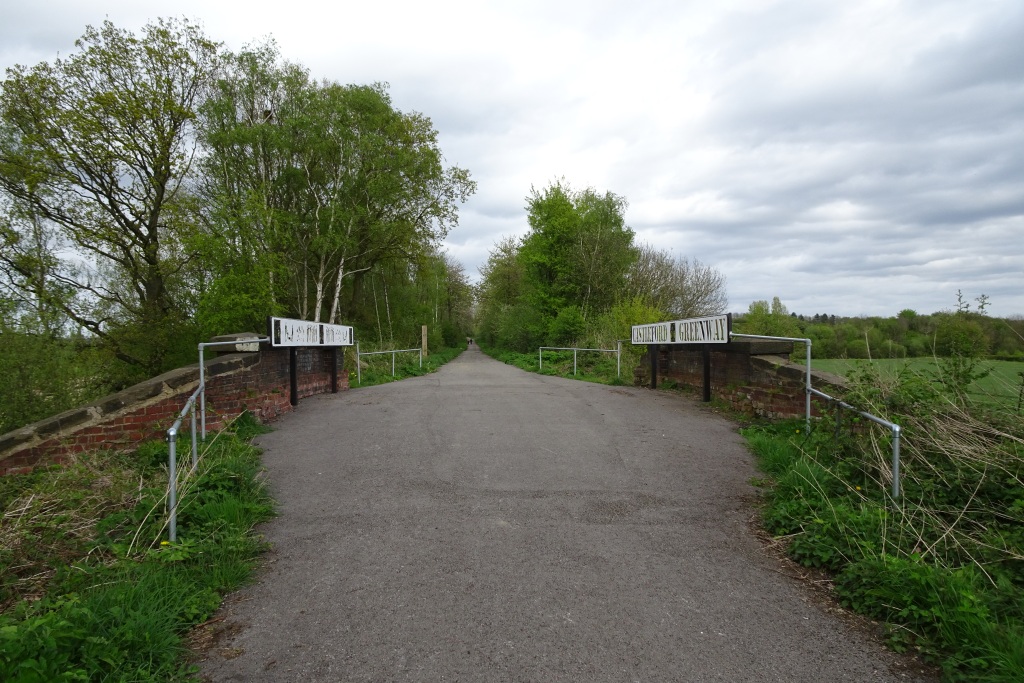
(172, 458)
(199, 395)
(809, 390)
(617, 351)
(360, 354)
(202, 370)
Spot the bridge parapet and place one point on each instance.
(754, 377)
(245, 378)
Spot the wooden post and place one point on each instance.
(424, 346)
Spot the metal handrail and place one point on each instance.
(172, 433)
(809, 390)
(172, 458)
(202, 369)
(359, 354)
(617, 351)
(895, 428)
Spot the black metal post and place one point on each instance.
(652, 351)
(293, 368)
(707, 372)
(334, 369)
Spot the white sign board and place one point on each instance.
(710, 330)
(655, 333)
(288, 332)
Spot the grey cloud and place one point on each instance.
(848, 158)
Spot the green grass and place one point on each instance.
(591, 366)
(1002, 386)
(377, 369)
(90, 590)
(939, 567)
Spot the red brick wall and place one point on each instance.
(752, 378)
(258, 382)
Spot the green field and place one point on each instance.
(1002, 385)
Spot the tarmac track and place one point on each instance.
(486, 524)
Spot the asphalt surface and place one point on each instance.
(487, 524)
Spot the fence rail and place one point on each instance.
(617, 351)
(172, 457)
(198, 396)
(809, 391)
(360, 354)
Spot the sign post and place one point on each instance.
(714, 329)
(293, 334)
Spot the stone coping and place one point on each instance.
(144, 393)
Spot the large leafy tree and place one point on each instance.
(578, 251)
(99, 147)
(336, 179)
(500, 288)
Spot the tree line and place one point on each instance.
(156, 189)
(964, 330)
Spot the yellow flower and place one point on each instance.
(858, 488)
(168, 542)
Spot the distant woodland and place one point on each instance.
(964, 329)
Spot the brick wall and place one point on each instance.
(755, 377)
(255, 381)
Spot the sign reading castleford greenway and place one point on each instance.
(288, 332)
(710, 330)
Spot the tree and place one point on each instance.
(248, 189)
(679, 287)
(337, 178)
(578, 251)
(772, 320)
(500, 287)
(100, 146)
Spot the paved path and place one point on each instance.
(488, 524)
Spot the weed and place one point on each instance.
(90, 593)
(943, 566)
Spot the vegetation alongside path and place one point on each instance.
(591, 366)
(377, 369)
(943, 566)
(1002, 383)
(89, 591)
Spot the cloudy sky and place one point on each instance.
(852, 158)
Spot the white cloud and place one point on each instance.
(851, 158)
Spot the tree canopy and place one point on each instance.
(155, 190)
(96, 151)
(319, 182)
(579, 274)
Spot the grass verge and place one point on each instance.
(377, 369)
(943, 566)
(591, 366)
(89, 591)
